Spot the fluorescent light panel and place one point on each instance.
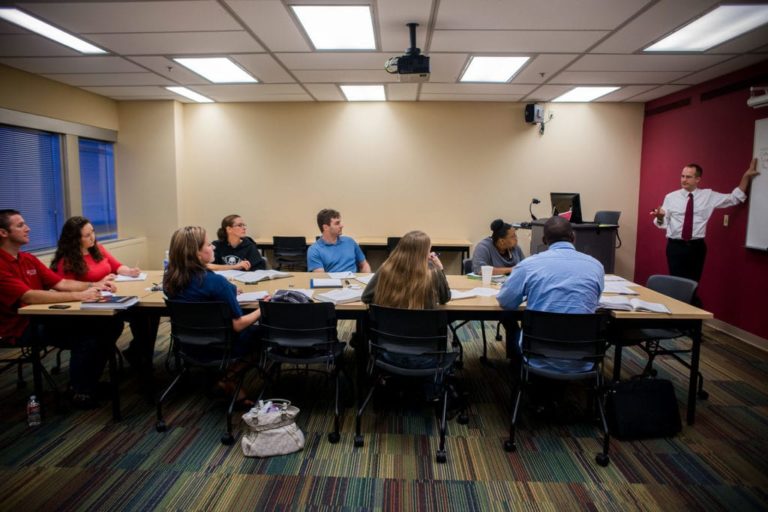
(492, 69)
(337, 27)
(190, 94)
(218, 70)
(37, 26)
(364, 92)
(584, 94)
(714, 28)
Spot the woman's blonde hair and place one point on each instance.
(183, 259)
(405, 280)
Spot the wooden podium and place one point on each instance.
(597, 240)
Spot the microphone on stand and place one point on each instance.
(530, 207)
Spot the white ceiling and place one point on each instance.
(569, 42)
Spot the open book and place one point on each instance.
(340, 295)
(260, 275)
(624, 304)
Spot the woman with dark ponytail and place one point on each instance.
(234, 250)
(500, 250)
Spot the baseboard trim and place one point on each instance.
(745, 336)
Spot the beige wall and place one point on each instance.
(446, 168)
(33, 94)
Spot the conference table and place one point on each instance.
(682, 316)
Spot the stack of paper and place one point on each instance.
(111, 302)
(461, 294)
(141, 277)
(341, 275)
(251, 296)
(624, 304)
(614, 287)
(325, 283)
(340, 296)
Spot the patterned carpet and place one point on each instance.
(81, 460)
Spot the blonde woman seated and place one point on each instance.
(188, 279)
(411, 278)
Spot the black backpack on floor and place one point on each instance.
(642, 409)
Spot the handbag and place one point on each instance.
(273, 429)
(642, 409)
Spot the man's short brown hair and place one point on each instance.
(325, 216)
(5, 218)
(697, 169)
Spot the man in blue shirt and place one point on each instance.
(559, 280)
(333, 252)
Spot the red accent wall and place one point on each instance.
(718, 134)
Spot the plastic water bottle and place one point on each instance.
(165, 262)
(33, 412)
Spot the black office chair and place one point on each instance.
(15, 355)
(392, 242)
(408, 343)
(202, 336)
(565, 347)
(290, 253)
(611, 218)
(651, 341)
(466, 265)
(303, 335)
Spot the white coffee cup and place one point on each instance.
(486, 271)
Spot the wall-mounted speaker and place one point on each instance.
(534, 113)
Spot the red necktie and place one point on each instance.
(688, 219)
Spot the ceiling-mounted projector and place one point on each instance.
(758, 100)
(413, 66)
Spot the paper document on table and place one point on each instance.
(621, 289)
(624, 304)
(325, 283)
(251, 296)
(141, 277)
(365, 279)
(485, 292)
(461, 294)
(340, 296)
(341, 275)
(228, 274)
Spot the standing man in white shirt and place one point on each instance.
(685, 213)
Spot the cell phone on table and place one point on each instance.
(59, 306)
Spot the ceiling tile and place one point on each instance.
(542, 68)
(751, 41)
(28, 45)
(392, 18)
(255, 92)
(625, 93)
(325, 92)
(95, 79)
(332, 60)
(178, 43)
(723, 68)
(169, 69)
(658, 92)
(264, 67)
(271, 22)
(548, 92)
(346, 76)
(536, 14)
(476, 89)
(89, 64)
(133, 93)
(447, 67)
(613, 62)
(616, 77)
(469, 97)
(402, 92)
(148, 16)
(514, 42)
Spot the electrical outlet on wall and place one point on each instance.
(725, 221)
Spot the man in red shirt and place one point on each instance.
(24, 280)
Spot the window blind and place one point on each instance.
(97, 185)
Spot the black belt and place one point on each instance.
(692, 241)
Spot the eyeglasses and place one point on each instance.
(240, 225)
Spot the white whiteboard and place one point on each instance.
(757, 222)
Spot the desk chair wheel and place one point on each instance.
(703, 395)
(334, 437)
(463, 419)
(359, 441)
(602, 459)
(160, 426)
(227, 439)
(498, 337)
(510, 446)
(441, 457)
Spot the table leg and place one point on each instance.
(617, 362)
(114, 381)
(693, 378)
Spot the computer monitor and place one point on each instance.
(567, 205)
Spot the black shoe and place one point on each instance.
(84, 401)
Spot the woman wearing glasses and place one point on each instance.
(500, 250)
(234, 250)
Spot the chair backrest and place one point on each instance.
(201, 331)
(607, 217)
(392, 242)
(679, 288)
(409, 331)
(466, 266)
(564, 335)
(290, 252)
(298, 325)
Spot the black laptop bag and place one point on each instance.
(642, 409)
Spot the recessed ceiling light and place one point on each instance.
(44, 29)
(337, 27)
(492, 69)
(584, 94)
(192, 95)
(714, 28)
(218, 70)
(364, 92)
